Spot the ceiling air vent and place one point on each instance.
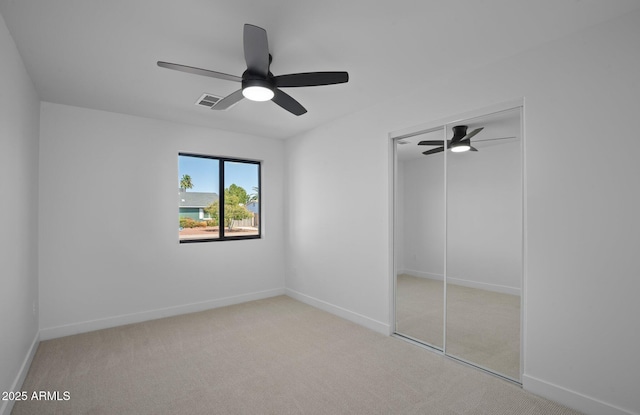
(208, 100)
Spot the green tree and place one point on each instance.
(234, 206)
(185, 182)
(213, 210)
(236, 191)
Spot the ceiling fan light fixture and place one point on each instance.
(460, 147)
(257, 93)
(257, 89)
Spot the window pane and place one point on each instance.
(241, 199)
(198, 190)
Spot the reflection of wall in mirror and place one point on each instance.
(421, 216)
(484, 230)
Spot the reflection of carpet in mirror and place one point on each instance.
(419, 309)
(483, 327)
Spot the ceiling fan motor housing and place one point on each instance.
(250, 79)
(459, 131)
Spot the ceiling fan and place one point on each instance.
(461, 141)
(258, 83)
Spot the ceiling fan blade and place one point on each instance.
(431, 143)
(288, 103)
(198, 71)
(433, 151)
(472, 133)
(472, 148)
(228, 101)
(311, 79)
(256, 50)
(494, 139)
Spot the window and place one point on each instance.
(218, 198)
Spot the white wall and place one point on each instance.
(421, 216)
(484, 218)
(581, 286)
(19, 124)
(109, 251)
(337, 229)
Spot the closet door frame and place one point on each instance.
(393, 137)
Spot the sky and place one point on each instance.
(204, 174)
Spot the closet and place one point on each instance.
(458, 238)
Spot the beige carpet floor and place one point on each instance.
(273, 356)
(483, 327)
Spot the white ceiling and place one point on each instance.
(102, 54)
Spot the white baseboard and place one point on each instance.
(570, 398)
(484, 286)
(86, 326)
(421, 274)
(7, 406)
(460, 281)
(360, 319)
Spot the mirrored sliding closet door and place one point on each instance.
(484, 245)
(420, 240)
(458, 240)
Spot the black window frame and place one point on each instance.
(221, 176)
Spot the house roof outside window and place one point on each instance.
(196, 199)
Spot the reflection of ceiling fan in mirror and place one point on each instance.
(460, 142)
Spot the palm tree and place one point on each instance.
(185, 182)
(253, 197)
